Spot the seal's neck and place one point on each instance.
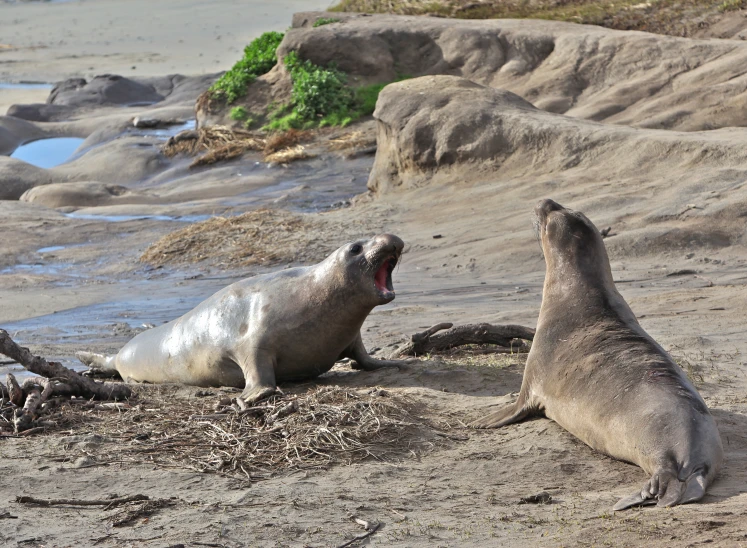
(334, 290)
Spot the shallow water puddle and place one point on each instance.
(47, 153)
(169, 131)
(50, 249)
(25, 85)
(125, 218)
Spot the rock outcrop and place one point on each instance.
(589, 72)
(487, 147)
(77, 95)
(436, 122)
(82, 194)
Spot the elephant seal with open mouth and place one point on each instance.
(288, 325)
(595, 371)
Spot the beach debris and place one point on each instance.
(509, 337)
(260, 237)
(109, 503)
(540, 498)
(318, 427)
(219, 143)
(353, 140)
(371, 529)
(288, 155)
(22, 406)
(136, 506)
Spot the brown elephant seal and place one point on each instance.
(595, 371)
(288, 325)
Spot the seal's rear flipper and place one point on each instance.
(97, 361)
(636, 499)
(665, 489)
(515, 412)
(682, 492)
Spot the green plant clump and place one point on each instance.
(321, 97)
(259, 58)
(730, 5)
(239, 114)
(325, 21)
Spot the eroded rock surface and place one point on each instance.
(589, 72)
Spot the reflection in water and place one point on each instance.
(47, 153)
(50, 249)
(25, 85)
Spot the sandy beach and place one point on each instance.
(643, 133)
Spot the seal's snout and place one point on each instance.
(545, 207)
(390, 243)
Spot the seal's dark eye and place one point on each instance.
(355, 249)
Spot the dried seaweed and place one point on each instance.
(321, 427)
(260, 237)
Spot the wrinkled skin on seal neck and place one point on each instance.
(595, 371)
(293, 324)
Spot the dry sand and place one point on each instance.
(485, 266)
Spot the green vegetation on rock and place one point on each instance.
(325, 21)
(321, 97)
(259, 58)
(239, 114)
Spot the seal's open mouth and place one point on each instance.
(383, 277)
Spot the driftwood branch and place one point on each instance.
(57, 389)
(83, 386)
(109, 503)
(24, 417)
(362, 536)
(436, 339)
(15, 394)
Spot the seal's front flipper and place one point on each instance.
(259, 376)
(515, 412)
(93, 360)
(257, 393)
(362, 359)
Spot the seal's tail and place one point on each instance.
(93, 360)
(665, 489)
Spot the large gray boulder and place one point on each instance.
(83, 194)
(119, 162)
(77, 95)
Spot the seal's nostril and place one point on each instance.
(545, 206)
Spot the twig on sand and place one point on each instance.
(109, 503)
(362, 536)
(142, 510)
(83, 386)
(482, 333)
